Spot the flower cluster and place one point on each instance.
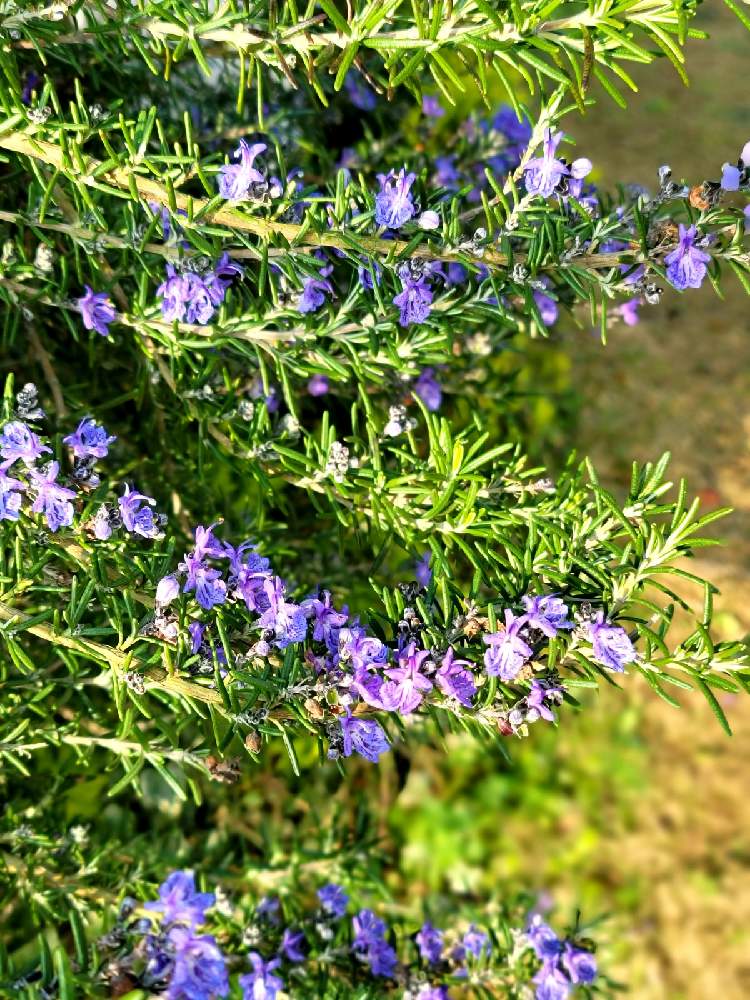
(193, 291)
(167, 952)
(352, 679)
(352, 672)
(546, 175)
(509, 649)
(173, 958)
(21, 448)
(195, 297)
(565, 964)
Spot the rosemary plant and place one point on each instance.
(270, 273)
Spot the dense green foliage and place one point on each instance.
(118, 125)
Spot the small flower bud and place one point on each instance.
(167, 590)
(253, 741)
(314, 709)
(226, 772)
(429, 220)
(134, 681)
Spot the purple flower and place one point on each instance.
(193, 297)
(547, 613)
(364, 737)
(446, 174)
(457, 275)
(19, 441)
(544, 173)
(475, 941)
(551, 984)
(579, 964)
(159, 958)
(428, 992)
(199, 971)
(175, 293)
(403, 692)
(314, 291)
(628, 311)
(10, 497)
(203, 296)
(393, 204)
(507, 652)
(236, 179)
(612, 646)
(327, 620)
(292, 944)
(269, 397)
(368, 929)
(207, 545)
(268, 909)
(422, 571)
(430, 942)
(249, 580)
(31, 82)
(162, 213)
(518, 133)
(90, 440)
(261, 983)
(547, 307)
(245, 556)
(333, 899)
(432, 107)
(209, 588)
(454, 680)
(196, 630)
(178, 901)
(415, 299)
(359, 93)
(318, 385)
(287, 620)
(546, 944)
(382, 959)
(686, 264)
(370, 945)
(137, 514)
(367, 684)
(167, 590)
(368, 274)
(359, 650)
(96, 310)
(428, 389)
(536, 698)
(51, 499)
(731, 176)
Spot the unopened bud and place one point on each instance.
(253, 741)
(314, 709)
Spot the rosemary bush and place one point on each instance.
(274, 268)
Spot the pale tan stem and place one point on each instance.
(117, 661)
(124, 178)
